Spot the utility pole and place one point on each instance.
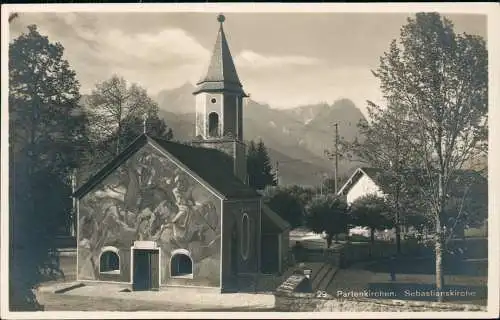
(74, 215)
(277, 173)
(144, 123)
(321, 184)
(336, 156)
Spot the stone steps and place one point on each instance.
(328, 279)
(318, 278)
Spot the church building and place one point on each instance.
(165, 214)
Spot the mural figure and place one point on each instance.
(147, 198)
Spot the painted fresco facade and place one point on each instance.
(161, 208)
(150, 198)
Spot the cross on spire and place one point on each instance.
(221, 73)
(221, 18)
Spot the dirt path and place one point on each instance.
(61, 302)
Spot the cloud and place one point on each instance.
(168, 56)
(285, 88)
(157, 60)
(171, 47)
(250, 59)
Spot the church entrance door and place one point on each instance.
(146, 271)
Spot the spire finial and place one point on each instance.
(221, 18)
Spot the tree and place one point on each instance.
(13, 16)
(328, 214)
(259, 166)
(373, 212)
(46, 120)
(155, 127)
(303, 194)
(467, 202)
(384, 148)
(252, 165)
(47, 134)
(116, 113)
(328, 184)
(439, 80)
(284, 203)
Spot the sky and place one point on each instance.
(282, 59)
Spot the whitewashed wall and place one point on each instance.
(363, 187)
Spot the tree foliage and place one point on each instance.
(303, 194)
(46, 121)
(438, 81)
(259, 168)
(116, 115)
(328, 214)
(327, 185)
(373, 212)
(384, 147)
(286, 204)
(466, 204)
(47, 136)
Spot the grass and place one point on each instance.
(415, 274)
(476, 232)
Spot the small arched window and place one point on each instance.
(181, 264)
(109, 262)
(245, 236)
(213, 124)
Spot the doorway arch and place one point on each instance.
(181, 264)
(109, 260)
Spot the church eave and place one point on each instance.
(217, 87)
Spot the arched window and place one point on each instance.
(245, 236)
(213, 124)
(109, 262)
(181, 264)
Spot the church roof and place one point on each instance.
(221, 74)
(210, 165)
(278, 223)
(213, 166)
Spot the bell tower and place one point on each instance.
(219, 106)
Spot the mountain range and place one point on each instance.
(296, 138)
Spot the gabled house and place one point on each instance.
(468, 184)
(368, 180)
(362, 182)
(166, 214)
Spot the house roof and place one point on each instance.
(372, 173)
(375, 175)
(210, 165)
(221, 74)
(279, 223)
